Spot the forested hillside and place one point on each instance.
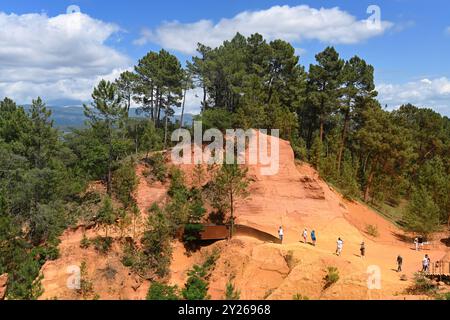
(328, 111)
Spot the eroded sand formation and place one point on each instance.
(295, 198)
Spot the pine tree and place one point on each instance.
(105, 114)
(422, 214)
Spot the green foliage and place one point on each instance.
(161, 291)
(196, 287)
(105, 114)
(86, 287)
(421, 285)
(85, 242)
(158, 167)
(331, 277)
(106, 215)
(102, 244)
(230, 184)
(422, 214)
(298, 296)
(156, 242)
(372, 230)
(443, 296)
(231, 293)
(125, 182)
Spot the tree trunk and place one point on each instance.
(110, 156)
(232, 215)
(182, 109)
(343, 138)
(165, 130)
(368, 186)
(321, 129)
(204, 98)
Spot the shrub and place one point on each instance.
(196, 287)
(86, 286)
(422, 285)
(372, 230)
(85, 242)
(231, 293)
(102, 244)
(159, 168)
(298, 296)
(443, 296)
(125, 182)
(161, 291)
(331, 277)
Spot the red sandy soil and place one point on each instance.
(295, 198)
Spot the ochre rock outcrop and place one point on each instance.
(3, 283)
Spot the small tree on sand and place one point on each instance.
(230, 184)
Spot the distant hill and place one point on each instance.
(73, 116)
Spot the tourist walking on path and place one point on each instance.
(363, 249)
(305, 235)
(281, 234)
(339, 246)
(399, 263)
(313, 238)
(416, 243)
(425, 264)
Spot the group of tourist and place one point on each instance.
(426, 261)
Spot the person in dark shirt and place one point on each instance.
(399, 263)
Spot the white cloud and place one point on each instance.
(431, 93)
(59, 57)
(295, 24)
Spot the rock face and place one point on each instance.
(3, 282)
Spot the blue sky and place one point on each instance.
(410, 52)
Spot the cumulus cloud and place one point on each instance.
(59, 57)
(295, 24)
(431, 93)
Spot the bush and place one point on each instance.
(102, 244)
(160, 291)
(125, 182)
(443, 296)
(231, 293)
(298, 296)
(422, 285)
(331, 277)
(372, 230)
(85, 242)
(196, 287)
(159, 168)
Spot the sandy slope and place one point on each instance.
(295, 198)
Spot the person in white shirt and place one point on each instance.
(281, 234)
(426, 264)
(416, 243)
(305, 235)
(340, 245)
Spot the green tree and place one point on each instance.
(161, 291)
(422, 214)
(324, 79)
(106, 215)
(358, 87)
(231, 293)
(125, 86)
(105, 114)
(230, 184)
(125, 182)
